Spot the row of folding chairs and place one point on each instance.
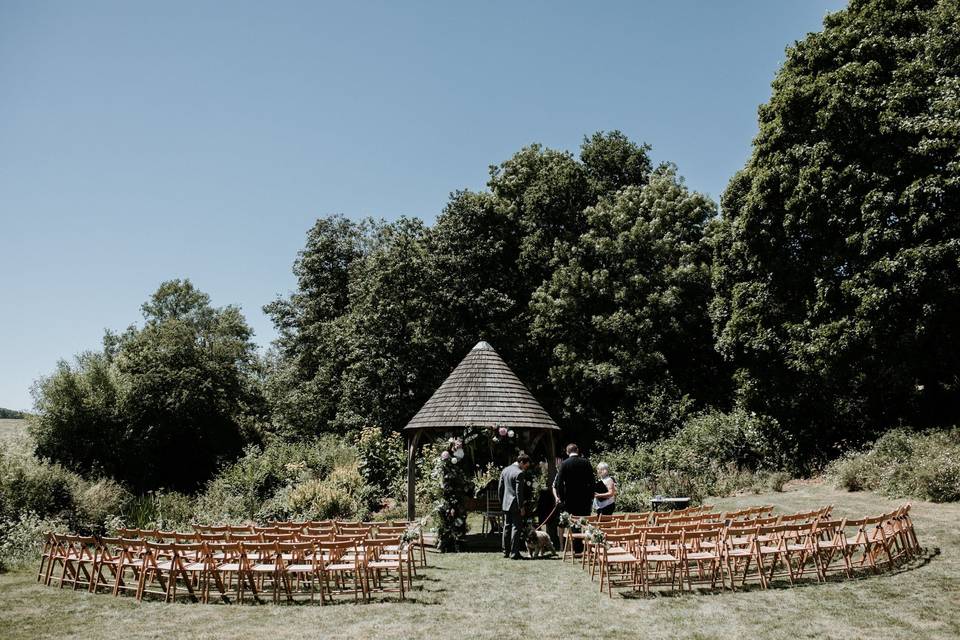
(232, 570)
(732, 555)
(286, 532)
(302, 525)
(624, 523)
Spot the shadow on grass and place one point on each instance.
(859, 574)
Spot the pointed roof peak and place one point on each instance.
(482, 391)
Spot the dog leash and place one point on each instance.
(547, 519)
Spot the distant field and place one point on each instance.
(11, 429)
(481, 595)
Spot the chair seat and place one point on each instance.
(343, 566)
(620, 558)
(230, 566)
(299, 568)
(384, 564)
(701, 555)
(661, 557)
(195, 566)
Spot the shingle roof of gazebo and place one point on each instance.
(482, 391)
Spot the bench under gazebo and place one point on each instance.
(481, 392)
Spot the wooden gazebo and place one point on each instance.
(481, 391)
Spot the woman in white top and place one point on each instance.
(603, 502)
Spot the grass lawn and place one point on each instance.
(481, 595)
(11, 429)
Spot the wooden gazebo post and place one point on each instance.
(412, 475)
(481, 391)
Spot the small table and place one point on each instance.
(671, 503)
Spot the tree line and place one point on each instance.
(823, 294)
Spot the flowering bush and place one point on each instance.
(452, 485)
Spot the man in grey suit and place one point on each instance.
(513, 494)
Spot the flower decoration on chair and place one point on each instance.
(567, 521)
(411, 534)
(596, 535)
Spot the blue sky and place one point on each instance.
(146, 141)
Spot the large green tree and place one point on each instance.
(623, 319)
(163, 404)
(382, 312)
(837, 268)
(357, 341)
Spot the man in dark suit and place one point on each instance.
(573, 487)
(513, 495)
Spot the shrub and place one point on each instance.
(28, 485)
(902, 463)
(851, 471)
(287, 479)
(243, 489)
(633, 496)
(22, 538)
(738, 438)
(96, 503)
(344, 494)
(159, 510)
(711, 454)
(383, 461)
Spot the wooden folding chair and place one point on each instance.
(244, 538)
(226, 563)
(662, 552)
(262, 562)
(703, 547)
(107, 560)
(905, 530)
(400, 546)
(78, 560)
(340, 562)
(129, 565)
(53, 552)
(636, 518)
(239, 529)
(379, 565)
(187, 537)
(298, 564)
(166, 564)
(869, 541)
(769, 545)
(799, 542)
(739, 551)
(618, 559)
